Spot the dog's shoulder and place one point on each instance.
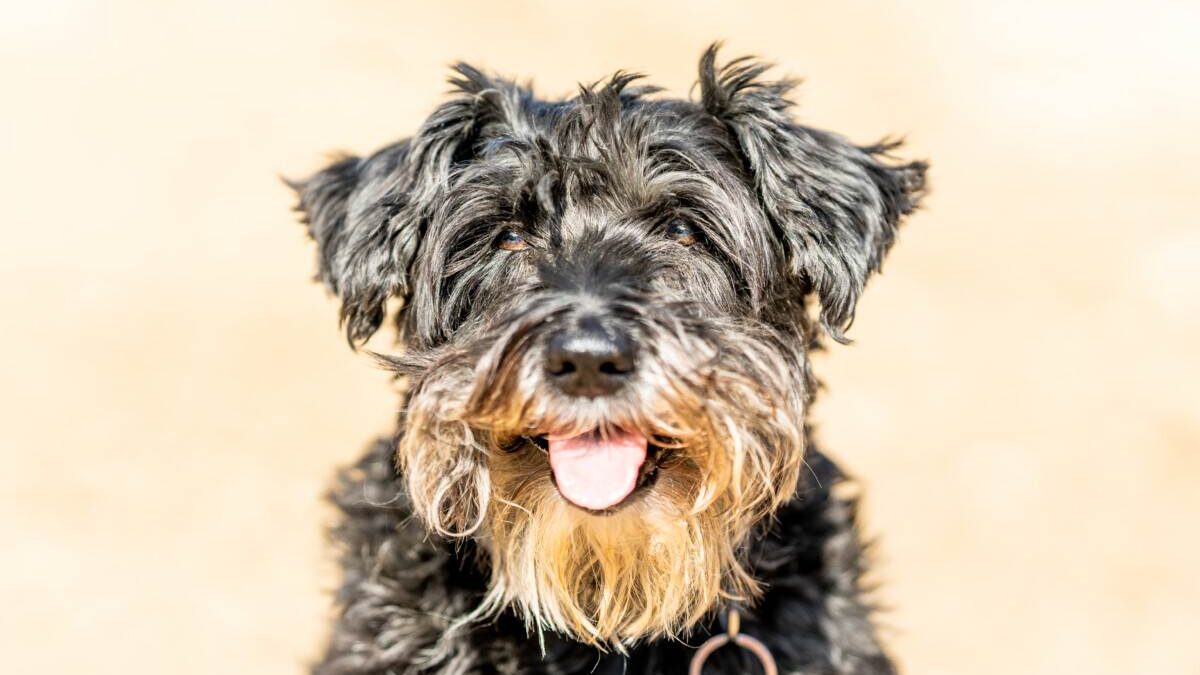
(401, 588)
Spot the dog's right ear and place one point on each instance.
(369, 216)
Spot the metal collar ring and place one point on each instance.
(738, 638)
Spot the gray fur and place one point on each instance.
(785, 214)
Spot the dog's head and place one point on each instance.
(602, 304)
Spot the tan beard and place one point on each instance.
(660, 561)
(647, 570)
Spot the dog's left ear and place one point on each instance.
(835, 206)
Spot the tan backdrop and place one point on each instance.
(1021, 402)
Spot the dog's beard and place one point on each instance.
(730, 425)
(651, 568)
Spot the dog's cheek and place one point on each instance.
(445, 463)
(698, 277)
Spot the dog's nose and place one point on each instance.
(589, 360)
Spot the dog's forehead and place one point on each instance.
(629, 147)
(643, 159)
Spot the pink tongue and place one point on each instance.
(597, 472)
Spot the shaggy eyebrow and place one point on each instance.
(671, 155)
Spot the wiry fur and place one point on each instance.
(783, 212)
(734, 420)
(404, 590)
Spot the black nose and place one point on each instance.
(589, 359)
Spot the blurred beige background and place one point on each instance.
(1021, 401)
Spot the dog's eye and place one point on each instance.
(681, 232)
(511, 240)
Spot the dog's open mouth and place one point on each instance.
(599, 471)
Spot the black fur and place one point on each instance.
(783, 214)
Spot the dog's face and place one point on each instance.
(605, 327)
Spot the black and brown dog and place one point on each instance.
(604, 314)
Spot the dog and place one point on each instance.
(606, 306)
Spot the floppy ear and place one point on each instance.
(835, 206)
(368, 216)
